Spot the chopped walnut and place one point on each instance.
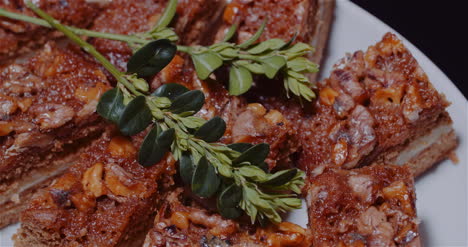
(388, 96)
(88, 95)
(92, 180)
(5, 128)
(230, 12)
(398, 190)
(8, 105)
(180, 220)
(25, 104)
(327, 96)
(50, 116)
(288, 234)
(121, 147)
(83, 201)
(121, 183)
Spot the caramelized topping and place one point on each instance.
(87, 94)
(327, 96)
(120, 146)
(5, 128)
(92, 180)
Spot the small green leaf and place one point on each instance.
(152, 58)
(191, 101)
(271, 65)
(161, 102)
(281, 177)
(302, 64)
(186, 168)
(135, 117)
(167, 15)
(240, 80)
(156, 144)
(254, 37)
(205, 181)
(231, 196)
(228, 202)
(192, 122)
(289, 43)
(271, 44)
(254, 68)
(254, 155)
(240, 147)
(205, 63)
(254, 173)
(293, 85)
(111, 105)
(212, 130)
(306, 92)
(299, 48)
(140, 84)
(170, 90)
(230, 33)
(229, 53)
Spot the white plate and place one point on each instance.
(442, 193)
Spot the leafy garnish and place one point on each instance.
(235, 174)
(272, 58)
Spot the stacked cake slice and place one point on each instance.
(47, 115)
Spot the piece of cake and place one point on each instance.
(47, 113)
(182, 221)
(106, 199)
(378, 106)
(17, 37)
(310, 20)
(370, 206)
(130, 17)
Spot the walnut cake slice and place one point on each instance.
(370, 206)
(378, 106)
(47, 116)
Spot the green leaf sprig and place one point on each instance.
(235, 174)
(271, 58)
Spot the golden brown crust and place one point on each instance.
(371, 206)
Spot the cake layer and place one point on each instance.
(377, 106)
(107, 199)
(18, 37)
(370, 206)
(182, 221)
(48, 109)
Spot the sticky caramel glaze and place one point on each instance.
(125, 17)
(130, 17)
(371, 206)
(285, 18)
(373, 102)
(107, 199)
(182, 222)
(52, 100)
(17, 37)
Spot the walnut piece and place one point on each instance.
(92, 180)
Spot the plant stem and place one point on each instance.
(184, 49)
(167, 16)
(77, 31)
(85, 45)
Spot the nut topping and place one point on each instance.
(92, 180)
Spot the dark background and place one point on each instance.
(438, 28)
